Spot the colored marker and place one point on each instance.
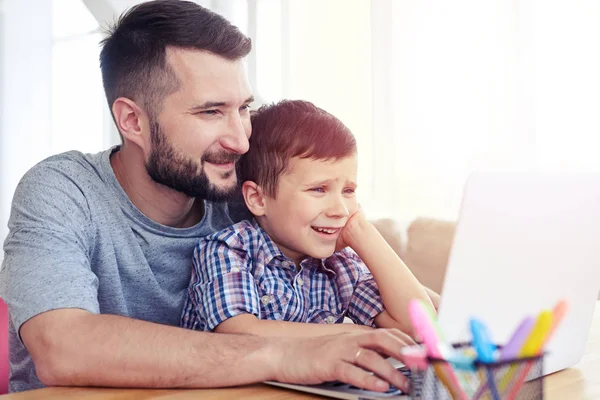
(558, 314)
(426, 327)
(537, 337)
(485, 352)
(482, 342)
(514, 345)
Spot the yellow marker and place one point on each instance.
(536, 339)
(560, 309)
(532, 347)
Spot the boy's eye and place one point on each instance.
(319, 189)
(349, 191)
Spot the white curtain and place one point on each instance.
(51, 99)
(479, 84)
(25, 81)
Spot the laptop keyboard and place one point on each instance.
(341, 390)
(392, 391)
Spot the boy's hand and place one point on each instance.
(351, 230)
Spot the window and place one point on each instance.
(78, 102)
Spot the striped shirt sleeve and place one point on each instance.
(222, 285)
(365, 303)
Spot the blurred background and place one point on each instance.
(432, 89)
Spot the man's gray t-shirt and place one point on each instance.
(77, 241)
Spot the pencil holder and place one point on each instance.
(511, 379)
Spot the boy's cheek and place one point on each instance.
(353, 207)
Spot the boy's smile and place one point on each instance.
(314, 200)
(326, 231)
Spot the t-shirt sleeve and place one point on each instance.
(222, 284)
(46, 253)
(365, 303)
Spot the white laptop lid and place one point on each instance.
(523, 241)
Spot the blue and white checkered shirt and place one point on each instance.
(239, 270)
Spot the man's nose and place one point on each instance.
(236, 137)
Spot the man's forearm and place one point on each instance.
(73, 347)
(108, 350)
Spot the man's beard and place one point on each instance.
(169, 167)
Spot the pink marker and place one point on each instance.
(426, 327)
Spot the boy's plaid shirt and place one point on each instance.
(239, 270)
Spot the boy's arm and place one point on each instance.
(396, 283)
(434, 297)
(249, 324)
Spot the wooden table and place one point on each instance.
(580, 382)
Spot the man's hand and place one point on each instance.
(348, 358)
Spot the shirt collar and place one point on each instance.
(272, 251)
(268, 246)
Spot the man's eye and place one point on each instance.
(245, 108)
(210, 112)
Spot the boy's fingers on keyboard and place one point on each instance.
(359, 377)
(386, 341)
(372, 361)
(382, 341)
(407, 339)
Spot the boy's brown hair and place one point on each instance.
(291, 128)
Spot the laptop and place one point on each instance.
(523, 241)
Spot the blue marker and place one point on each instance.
(485, 351)
(482, 342)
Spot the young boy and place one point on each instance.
(291, 264)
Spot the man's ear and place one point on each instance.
(132, 122)
(254, 198)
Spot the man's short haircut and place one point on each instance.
(291, 128)
(133, 57)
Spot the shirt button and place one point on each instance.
(300, 282)
(331, 319)
(235, 269)
(265, 299)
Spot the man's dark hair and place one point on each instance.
(133, 57)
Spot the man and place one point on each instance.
(98, 256)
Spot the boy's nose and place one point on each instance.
(338, 209)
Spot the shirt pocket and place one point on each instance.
(274, 300)
(328, 311)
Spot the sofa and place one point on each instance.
(423, 244)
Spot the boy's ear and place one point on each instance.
(254, 198)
